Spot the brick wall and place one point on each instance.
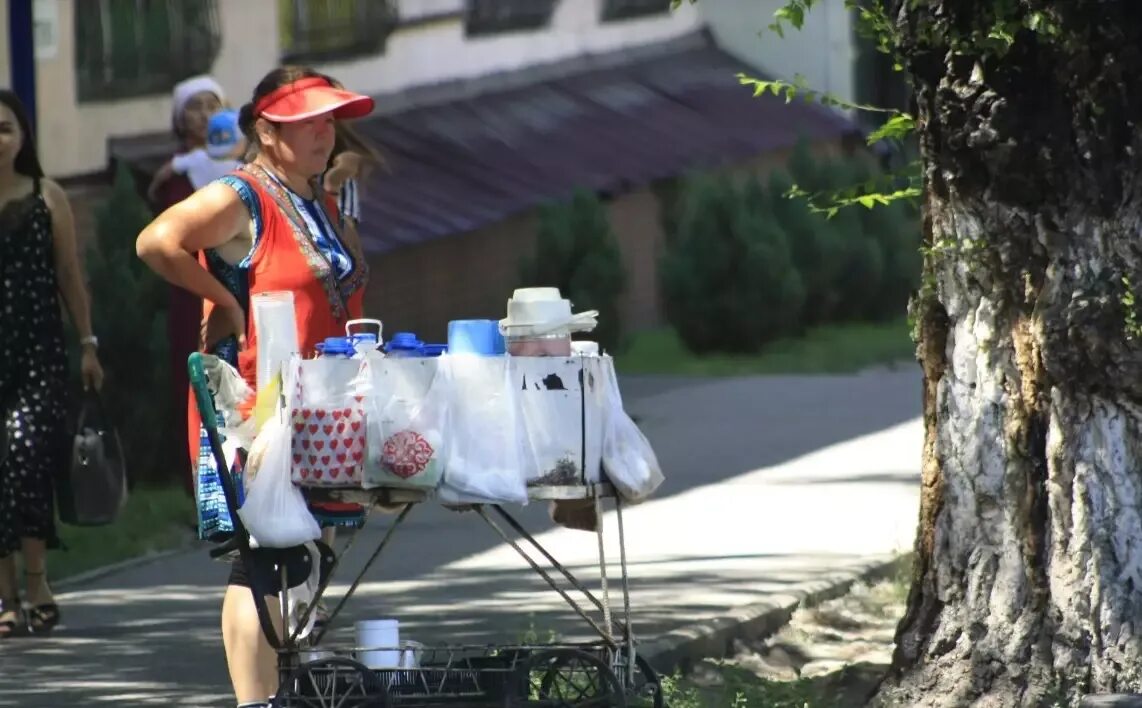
(421, 288)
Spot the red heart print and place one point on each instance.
(318, 474)
(328, 429)
(325, 460)
(334, 472)
(358, 399)
(313, 459)
(319, 444)
(305, 443)
(349, 472)
(297, 459)
(348, 443)
(337, 415)
(298, 427)
(348, 411)
(305, 413)
(341, 427)
(358, 455)
(313, 428)
(333, 444)
(356, 425)
(304, 473)
(341, 457)
(320, 415)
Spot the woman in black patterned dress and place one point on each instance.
(38, 263)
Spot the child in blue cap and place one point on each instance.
(225, 146)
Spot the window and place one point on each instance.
(495, 16)
(625, 9)
(127, 48)
(321, 30)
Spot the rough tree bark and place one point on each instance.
(1027, 588)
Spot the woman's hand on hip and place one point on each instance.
(222, 322)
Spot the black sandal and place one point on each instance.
(42, 618)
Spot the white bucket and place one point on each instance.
(382, 633)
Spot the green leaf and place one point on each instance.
(897, 127)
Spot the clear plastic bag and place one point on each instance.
(328, 422)
(406, 402)
(275, 512)
(487, 450)
(628, 459)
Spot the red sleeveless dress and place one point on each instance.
(285, 256)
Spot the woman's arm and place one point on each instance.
(162, 175)
(70, 279)
(208, 218)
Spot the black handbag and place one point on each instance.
(94, 490)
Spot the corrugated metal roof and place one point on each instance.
(460, 165)
(468, 154)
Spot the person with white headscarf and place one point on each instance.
(193, 101)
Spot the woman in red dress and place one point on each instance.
(272, 220)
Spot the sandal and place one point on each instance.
(12, 627)
(42, 618)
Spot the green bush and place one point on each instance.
(578, 252)
(815, 245)
(129, 314)
(728, 280)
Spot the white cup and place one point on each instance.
(410, 654)
(309, 655)
(382, 633)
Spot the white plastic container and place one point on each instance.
(378, 643)
(275, 326)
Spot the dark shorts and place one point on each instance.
(269, 579)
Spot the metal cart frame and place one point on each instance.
(606, 672)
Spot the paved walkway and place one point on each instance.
(773, 483)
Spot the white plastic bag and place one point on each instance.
(487, 448)
(275, 512)
(628, 459)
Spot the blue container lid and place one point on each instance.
(404, 341)
(336, 346)
(433, 349)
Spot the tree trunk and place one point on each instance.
(1027, 588)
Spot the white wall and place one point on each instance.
(75, 134)
(5, 58)
(823, 51)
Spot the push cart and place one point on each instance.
(607, 672)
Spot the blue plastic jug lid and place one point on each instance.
(335, 345)
(403, 340)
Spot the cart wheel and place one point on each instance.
(647, 686)
(329, 683)
(570, 678)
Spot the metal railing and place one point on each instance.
(130, 48)
(322, 30)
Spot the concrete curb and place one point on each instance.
(88, 576)
(680, 648)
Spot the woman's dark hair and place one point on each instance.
(27, 160)
(349, 139)
(271, 82)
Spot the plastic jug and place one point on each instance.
(403, 344)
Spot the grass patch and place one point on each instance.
(737, 688)
(155, 519)
(829, 349)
